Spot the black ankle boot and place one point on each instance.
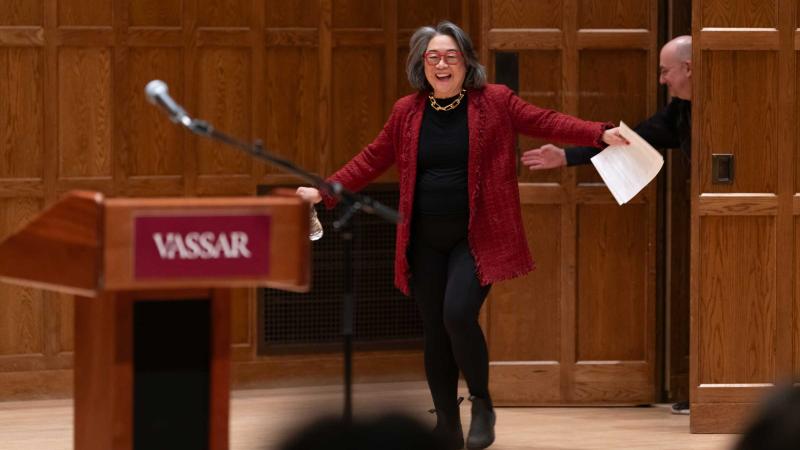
(448, 430)
(481, 429)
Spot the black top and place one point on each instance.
(669, 128)
(442, 160)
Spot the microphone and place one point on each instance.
(158, 94)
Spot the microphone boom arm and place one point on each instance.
(353, 200)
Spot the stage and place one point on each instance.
(261, 418)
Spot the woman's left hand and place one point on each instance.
(613, 137)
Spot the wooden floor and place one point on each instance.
(260, 418)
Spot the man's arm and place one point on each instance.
(549, 156)
(576, 156)
(659, 130)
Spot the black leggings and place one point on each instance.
(445, 285)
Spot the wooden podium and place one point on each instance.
(151, 279)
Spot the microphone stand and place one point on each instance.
(353, 203)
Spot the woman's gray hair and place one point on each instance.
(415, 69)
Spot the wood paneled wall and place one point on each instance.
(744, 234)
(581, 328)
(316, 80)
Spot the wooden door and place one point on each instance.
(745, 335)
(581, 328)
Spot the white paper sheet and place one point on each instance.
(627, 169)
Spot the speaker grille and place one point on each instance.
(383, 317)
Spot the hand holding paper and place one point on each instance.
(614, 137)
(627, 169)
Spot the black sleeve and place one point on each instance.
(659, 130)
(577, 156)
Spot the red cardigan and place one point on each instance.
(495, 115)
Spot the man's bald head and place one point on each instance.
(680, 47)
(676, 67)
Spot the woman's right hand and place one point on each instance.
(309, 194)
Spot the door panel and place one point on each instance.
(610, 288)
(736, 311)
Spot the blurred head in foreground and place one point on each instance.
(388, 432)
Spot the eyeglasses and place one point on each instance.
(451, 57)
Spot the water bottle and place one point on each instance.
(315, 231)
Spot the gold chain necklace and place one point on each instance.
(449, 107)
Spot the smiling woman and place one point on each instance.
(454, 146)
(450, 62)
